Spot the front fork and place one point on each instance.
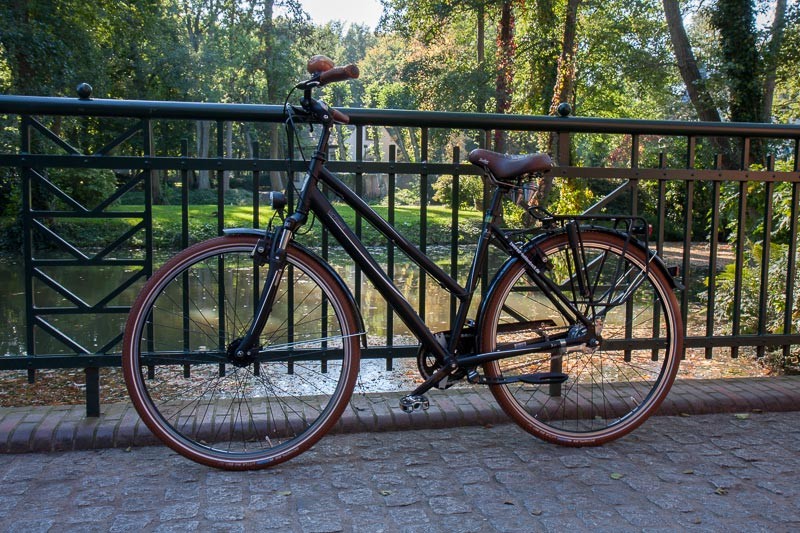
(275, 258)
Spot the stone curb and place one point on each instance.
(61, 428)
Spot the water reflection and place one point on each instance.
(91, 285)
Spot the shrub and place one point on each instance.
(470, 191)
(88, 186)
(748, 303)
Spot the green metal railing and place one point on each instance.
(663, 162)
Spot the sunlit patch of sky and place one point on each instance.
(367, 12)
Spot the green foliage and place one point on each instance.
(470, 191)
(407, 196)
(574, 196)
(755, 194)
(626, 67)
(514, 216)
(9, 191)
(88, 186)
(751, 292)
(172, 196)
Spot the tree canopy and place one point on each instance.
(732, 59)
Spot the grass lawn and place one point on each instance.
(203, 225)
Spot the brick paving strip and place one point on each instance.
(57, 428)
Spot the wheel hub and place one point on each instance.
(240, 358)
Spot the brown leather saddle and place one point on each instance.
(505, 167)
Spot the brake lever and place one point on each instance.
(309, 84)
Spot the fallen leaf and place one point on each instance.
(688, 471)
(742, 416)
(685, 414)
(385, 492)
(537, 512)
(617, 475)
(128, 449)
(722, 491)
(285, 493)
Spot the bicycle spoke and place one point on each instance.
(607, 391)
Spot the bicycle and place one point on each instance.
(242, 351)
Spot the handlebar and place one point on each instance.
(349, 72)
(323, 72)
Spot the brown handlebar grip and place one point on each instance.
(338, 74)
(339, 117)
(319, 63)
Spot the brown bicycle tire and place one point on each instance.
(522, 402)
(307, 265)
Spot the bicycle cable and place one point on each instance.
(290, 125)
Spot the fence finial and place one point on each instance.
(84, 91)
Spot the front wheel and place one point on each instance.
(609, 389)
(207, 403)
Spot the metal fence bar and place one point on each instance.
(791, 270)
(765, 258)
(712, 260)
(423, 221)
(696, 181)
(456, 202)
(391, 185)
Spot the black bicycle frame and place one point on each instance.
(312, 200)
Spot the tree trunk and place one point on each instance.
(248, 140)
(275, 178)
(771, 59)
(23, 73)
(563, 91)
(545, 73)
(694, 81)
(480, 97)
(203, 133)
(564, 88)
(735, 20)
(275, 137)
(397, 137)
(701, 99)
(226, 175)
(505, 69)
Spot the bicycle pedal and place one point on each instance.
(413, 402)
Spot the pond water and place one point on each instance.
(95, 331)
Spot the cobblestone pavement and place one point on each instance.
(720, 472)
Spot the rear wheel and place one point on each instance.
(212, 406)
(610, 389)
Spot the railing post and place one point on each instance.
(92, 392)
(688, 222)
(741, 228)
(423, 221)
(456, 203)
(769, 189)
(791, 270)
(27, 242)
(712, 261)
(392, 182)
